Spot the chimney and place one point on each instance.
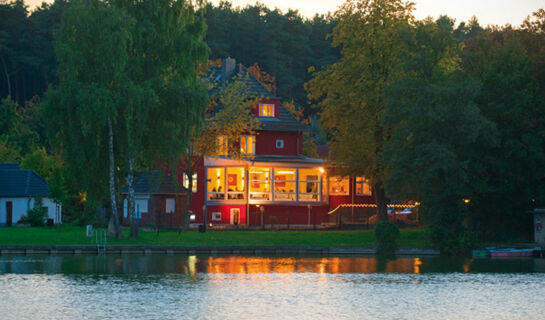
(228, 68)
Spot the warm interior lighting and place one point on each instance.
(284, 172)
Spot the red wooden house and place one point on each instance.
(277, 184)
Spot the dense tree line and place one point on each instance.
(452, 117)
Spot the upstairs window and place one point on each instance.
(222, 145)
(186, 182)
(266, 110)
(247, 144)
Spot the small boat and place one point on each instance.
(511, 252)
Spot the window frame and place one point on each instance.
(222, 145)
(318, 182)
(295, 182)
(225, 192)
(166, 205)
(346, 192)
(261, 110)
(362, 182)
(186, 181)
(252, 145)
(267, 181)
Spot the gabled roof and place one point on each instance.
(162, 183)
(286, 121)
(17, 182)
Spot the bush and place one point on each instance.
(36, 215)
(386, 234)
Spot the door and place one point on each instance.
(235, 216)
(9, 213)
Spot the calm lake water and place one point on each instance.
(251, 287)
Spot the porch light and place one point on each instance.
(466, 200)
(321, 170)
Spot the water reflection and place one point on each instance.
(193, 265)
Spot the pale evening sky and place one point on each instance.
(497, 12)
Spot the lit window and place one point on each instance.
(226, 183)
(223, 147)
(362, 187)
(216, 184)
(266, 110)
(279, 144)
(235, 183)
(339, 186)
(247, 144)
(309, 184)
(170, 205)
(186, 182)
(260, 184)
(284, 184)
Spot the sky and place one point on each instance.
(495, 12)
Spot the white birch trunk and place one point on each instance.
(113, 226)
(131, 202)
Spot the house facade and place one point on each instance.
(18, 190)
(276, 184)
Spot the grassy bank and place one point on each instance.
(68, 235)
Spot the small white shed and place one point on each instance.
(18, 189)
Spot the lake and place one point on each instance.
(253, 287)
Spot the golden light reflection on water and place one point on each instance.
(333, 265)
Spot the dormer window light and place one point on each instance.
(266, 110)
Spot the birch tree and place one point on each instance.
(83, 111)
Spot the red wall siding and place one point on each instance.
(197, 198)
(225, 214)
(266, 143)
(298, 214)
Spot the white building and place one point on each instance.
(18, 189)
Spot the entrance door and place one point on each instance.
(9, 213)
(235, 216)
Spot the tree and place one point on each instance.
(92, 49)
(166, 98)
(350, 93)
(230, 115)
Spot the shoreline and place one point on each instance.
(211, 250)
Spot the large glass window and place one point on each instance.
(309, 184)
(216, 184)
(284, 184)
(186, 182)
(362, 187)
(247, 144)
(339, 186)
(235, 183)
(260, 184)
(266, 110)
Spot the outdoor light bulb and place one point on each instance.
(321, 170)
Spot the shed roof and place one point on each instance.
(163, 184)
(17, 182)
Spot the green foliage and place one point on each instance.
(386, 234)
(350, 93)
(36, 215)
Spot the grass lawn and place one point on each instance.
(68, 234)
